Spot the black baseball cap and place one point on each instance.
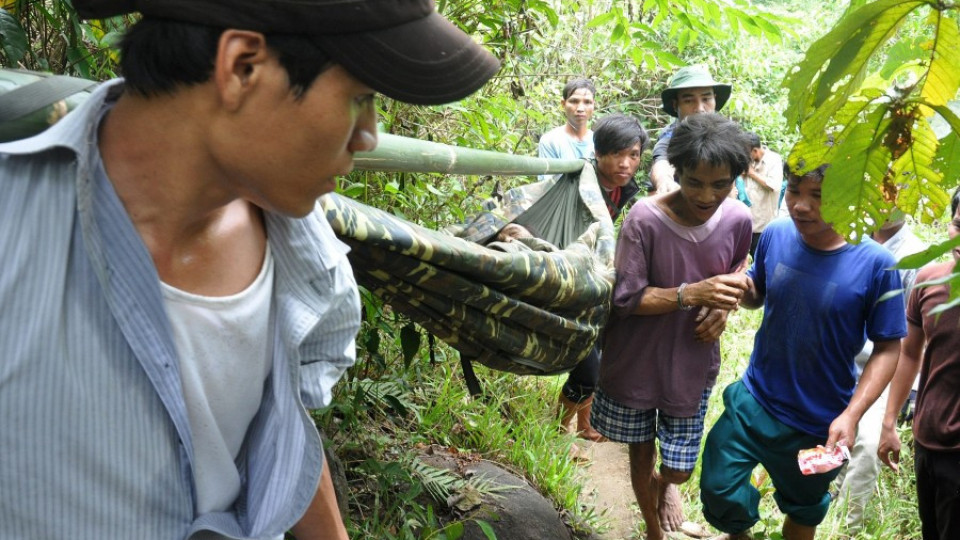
(403, 49)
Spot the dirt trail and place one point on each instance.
(607, 487)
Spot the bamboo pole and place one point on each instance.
(404, 154)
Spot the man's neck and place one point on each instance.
(882, 235)
(826, 241)
(579, 133)
(166, 179)
(201, 236)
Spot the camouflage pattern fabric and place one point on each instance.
(523, 307)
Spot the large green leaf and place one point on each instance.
(900, 55)
(930, 254)
(12, 38)
(851, 186)
(948, 159)
(834, 64)
(817, 147)
(917, 179)
(943, 76)
(947, 113)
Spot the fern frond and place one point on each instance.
(439, 483)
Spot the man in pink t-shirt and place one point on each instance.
(678, 251)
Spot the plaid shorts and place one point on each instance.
(679, 436)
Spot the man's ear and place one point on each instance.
(241, 56)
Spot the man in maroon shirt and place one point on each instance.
(931, 346)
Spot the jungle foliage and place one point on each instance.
(861, 97)
(864, 98)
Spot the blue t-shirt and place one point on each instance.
(819, 308)
(557, 144)
(660, 147)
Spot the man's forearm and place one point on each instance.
(907, 367)
(876, 376)
(322, 519)
(759, 180)
(661, 174)
(752, 299)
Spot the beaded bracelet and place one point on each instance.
(680, 298)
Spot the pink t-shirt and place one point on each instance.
(654, 362)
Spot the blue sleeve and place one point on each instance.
(660, 148)
(887, 320)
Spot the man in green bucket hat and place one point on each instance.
(691, 90)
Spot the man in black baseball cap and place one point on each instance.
(179, 301)
(403, 49)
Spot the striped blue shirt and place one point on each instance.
(94, 437)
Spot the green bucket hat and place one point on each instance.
(693, 77)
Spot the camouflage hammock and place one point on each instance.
(526, 307)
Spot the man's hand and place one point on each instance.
(889, 449)
(661, 176)
(843, 430)
(717, 292)
(710, 324)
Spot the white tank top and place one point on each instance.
(225, 359)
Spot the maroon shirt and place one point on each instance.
(936, 425)
(653, 361)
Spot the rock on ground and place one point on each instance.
(518, 513)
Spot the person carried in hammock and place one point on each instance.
(679, 264)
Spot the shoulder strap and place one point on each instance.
(38, 94)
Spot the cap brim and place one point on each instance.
(721, 93)
(428, 61)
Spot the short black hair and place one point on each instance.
(577, 84)
(157, 56)
(616, 132)
(815, 174)
(708, 138)
(954, 202)
(753, 140)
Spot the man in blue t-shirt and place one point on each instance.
(574, 139)
(821, 299)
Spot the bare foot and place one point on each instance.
(694, 530)
(670, 507)
(591, 434)
(741, 536)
